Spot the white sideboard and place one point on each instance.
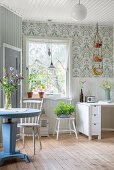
(88, 118)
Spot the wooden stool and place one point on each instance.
(58, 130)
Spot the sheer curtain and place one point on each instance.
(38, 49)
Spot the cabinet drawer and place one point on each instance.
(95, 109)
(95, 128)
(95, 118)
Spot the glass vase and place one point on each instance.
(107, 94)
(7, 103)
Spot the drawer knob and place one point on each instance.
(94, 114)
(95, 124)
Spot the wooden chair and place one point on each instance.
(31, 123)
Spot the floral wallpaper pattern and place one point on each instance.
(82, 44)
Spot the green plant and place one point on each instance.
(31, 85)
(41, 87)
(31, 89)
(62, 108)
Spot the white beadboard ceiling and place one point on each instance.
(101, 11)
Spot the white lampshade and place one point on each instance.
(79, 12)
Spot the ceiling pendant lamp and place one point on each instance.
(79, 12)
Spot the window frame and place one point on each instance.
(26, 39)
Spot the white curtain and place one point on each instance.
(38, 49)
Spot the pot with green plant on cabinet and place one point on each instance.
(41, 90)
(64, 110)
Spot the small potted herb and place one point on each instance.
(31, 87)
(30, 92)
(41, 89)
(64, 110)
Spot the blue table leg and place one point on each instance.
(9, 141)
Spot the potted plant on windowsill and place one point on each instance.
(64, 110)
(30, 92)
(31, 87)
(41, 89)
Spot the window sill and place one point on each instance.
(48, 98)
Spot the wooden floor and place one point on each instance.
(67, 153)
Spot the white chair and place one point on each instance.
(58, 130)
(31, 123)
(70, 120)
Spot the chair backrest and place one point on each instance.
(33, 104)
(68, 101)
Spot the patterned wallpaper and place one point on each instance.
(82, 44)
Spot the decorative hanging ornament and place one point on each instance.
(97, 67)
(97, 41)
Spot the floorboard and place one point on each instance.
(66, 154)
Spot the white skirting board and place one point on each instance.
(107, 129)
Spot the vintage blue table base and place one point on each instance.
(4, 157)
(9, 130)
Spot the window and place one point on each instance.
(38, 62)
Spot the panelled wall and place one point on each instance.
(10, 30)
(10, 33)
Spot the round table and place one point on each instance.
(9, 130)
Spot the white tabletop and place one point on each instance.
(101, 103)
